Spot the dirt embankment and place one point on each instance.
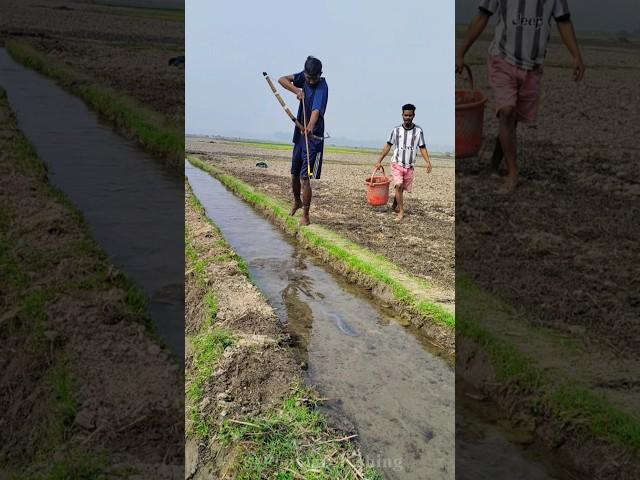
(125, 49)
(240, 368)
(86, 387)
(561, 252)
(422, 244)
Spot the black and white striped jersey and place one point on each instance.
(523, 28)
(406, 144)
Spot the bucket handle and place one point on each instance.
(374, 172)
(466, 68)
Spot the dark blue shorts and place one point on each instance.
(299, 159)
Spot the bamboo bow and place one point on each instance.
(286, 108)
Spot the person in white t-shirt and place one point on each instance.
(516, 58)
(406, 140)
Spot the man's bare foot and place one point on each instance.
(294, 208)
(304, 220)
(400, 216)
(509, 185)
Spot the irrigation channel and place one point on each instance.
(132, 205)
(381, 377)
(397, 393)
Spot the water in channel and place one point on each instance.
(132, 205)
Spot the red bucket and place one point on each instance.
(469, 120)
(377, 188)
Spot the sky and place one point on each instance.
(376, 57)
(588, 15)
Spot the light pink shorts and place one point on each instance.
(515, 87)
(402, 176)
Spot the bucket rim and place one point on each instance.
(477, 103)
(369, 183)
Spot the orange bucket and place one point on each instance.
(377, 188)
(469, 120)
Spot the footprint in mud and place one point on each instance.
(342, 324)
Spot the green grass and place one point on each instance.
(63, 403)
(287, 444)
(569, 343)
(149, 128)
(355, 258)
(327, 148)
(207, 348)
(563, 399)
(212, 305)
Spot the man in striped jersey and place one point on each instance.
(406, 140)
(516, 57)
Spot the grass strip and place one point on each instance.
(327, 148)
(354, 258)
(563, 399)
(149, 128)
(287, 146)
(291, 442)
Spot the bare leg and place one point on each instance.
(497, 159)
(295, 188)
(507, 134)
(399, 200)
(306, 201)
(394, 207)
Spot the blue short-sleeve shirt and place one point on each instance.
(315, 98)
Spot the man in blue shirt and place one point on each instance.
(310, 87)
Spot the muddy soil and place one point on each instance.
(252, 376)
(126, 51)
(578, 199)
(571, 450)
(422, 243)
(563, 248)
(81, 371)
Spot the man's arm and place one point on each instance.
(384, 153)
(312, 121)
(287, 83)
(425, 155)
(474, 30)
(568, 35)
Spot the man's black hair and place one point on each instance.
(409, 106)
(313, 66)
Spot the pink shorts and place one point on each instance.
(515, 87)
(402, 176)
